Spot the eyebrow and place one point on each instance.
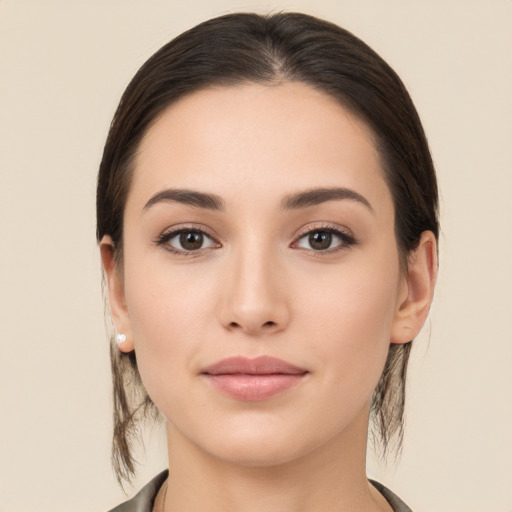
(298, 200)
(317, 196)
(189, 197)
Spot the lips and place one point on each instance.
(256, 379)
(263, 365)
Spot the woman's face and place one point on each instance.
(294, 258)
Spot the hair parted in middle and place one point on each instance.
(270, 49)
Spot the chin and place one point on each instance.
(260, 445)
(259, 456)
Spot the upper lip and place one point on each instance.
(263, 365)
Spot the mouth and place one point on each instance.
(256, 379)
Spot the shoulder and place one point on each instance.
(144, 499)
(395, 502)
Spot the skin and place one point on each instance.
(258, 286)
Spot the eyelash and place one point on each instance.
(164, 238)
(346, 239)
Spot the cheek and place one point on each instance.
(169, 313)
(350, 317)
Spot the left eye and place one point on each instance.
(323, 239)
(189, 240)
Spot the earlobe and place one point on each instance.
(419, 282)
(116, 296)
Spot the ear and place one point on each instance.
(116, 296)
(417, 290)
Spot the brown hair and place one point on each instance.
(245, 47)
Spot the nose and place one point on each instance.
(254, 295)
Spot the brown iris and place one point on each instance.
(191, 240)
(320, 240)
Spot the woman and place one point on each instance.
(267, 220)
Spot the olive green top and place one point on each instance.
(144, 499)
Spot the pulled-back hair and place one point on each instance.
(270, 49)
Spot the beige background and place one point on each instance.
(63, 66)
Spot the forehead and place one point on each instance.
(257, 140)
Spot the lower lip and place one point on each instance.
(254, 387)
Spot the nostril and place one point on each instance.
(270, 323)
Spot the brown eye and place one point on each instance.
(186, 240)
(320, 240)
(191, 240)
(325, 239)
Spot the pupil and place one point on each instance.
(320, 240)
(191, 240)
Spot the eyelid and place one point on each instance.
(325, 226)
(173, 231)
(346, 236)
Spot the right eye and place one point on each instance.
(186, 241)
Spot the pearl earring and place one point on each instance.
(120, 338)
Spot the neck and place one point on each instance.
(329, 478)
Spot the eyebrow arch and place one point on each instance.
(189, 197)
(317, 196)
(304, 199)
